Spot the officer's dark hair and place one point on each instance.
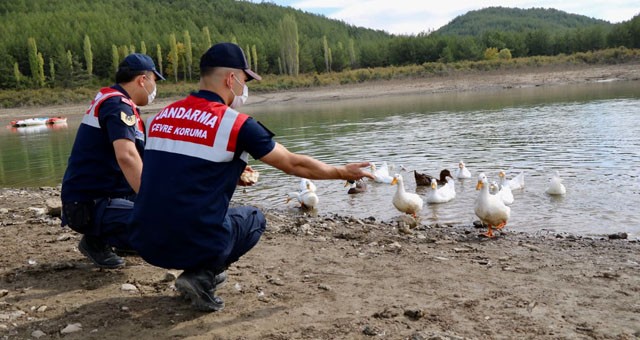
(125, 74)
(206, 71)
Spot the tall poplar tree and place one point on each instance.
(188, 52)
(52, 71)
(34, 63)
(254, 54)
(115, 58)
(325, 46)
(143, 47)
(88, 54)
(207, 38)
(289, 45)
(159, 56)
(173, 55)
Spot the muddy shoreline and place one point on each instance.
(325, 277)
(329, 276)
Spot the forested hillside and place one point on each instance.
(75, 43)
(476, 23)
(166, 29)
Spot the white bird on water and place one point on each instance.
(462, 171)
(556, 187)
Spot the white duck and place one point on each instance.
(405, 202)
(306, 184)
(462, 171)
(556, 187)
(490, 208)
(504, 189)
(441, 194)
(514, 183)
(307, 196)
(381, 175)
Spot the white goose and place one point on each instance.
(556, 187)
(406, 202)
(381, 175)
(490, 208)
(516, 182)
(441, 194)
(307, 196)
(504, 189)
(462, 171)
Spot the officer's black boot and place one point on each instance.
(99, 253)
(200, 286)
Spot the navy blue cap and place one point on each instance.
(227, 55)
(140, 62)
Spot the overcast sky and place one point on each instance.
(415, 16)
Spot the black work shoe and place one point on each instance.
(124, 252)
(200, 287)
(99, 253)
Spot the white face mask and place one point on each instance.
(150, 96)
(239, 100)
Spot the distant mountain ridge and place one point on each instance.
(475, 23)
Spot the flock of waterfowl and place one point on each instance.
(491, 205)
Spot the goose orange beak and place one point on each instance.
(394, 181)
(479, 185)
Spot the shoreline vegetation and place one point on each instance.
(317, 82)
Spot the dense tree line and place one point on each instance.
(69, 43)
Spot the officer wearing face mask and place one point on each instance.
(105, 165)
(196, 151)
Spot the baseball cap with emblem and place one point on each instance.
(140, 62)
(227, 55)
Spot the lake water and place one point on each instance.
(589, 133)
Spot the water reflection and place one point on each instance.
(586, 132)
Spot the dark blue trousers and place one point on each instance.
(247, 225)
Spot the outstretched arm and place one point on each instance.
(308, 167)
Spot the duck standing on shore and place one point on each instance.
(490, 208)
(307, 196)
(406, 202)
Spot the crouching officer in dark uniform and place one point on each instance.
(197, 150)
(105, 165)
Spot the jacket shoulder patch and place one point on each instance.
(128, 120)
